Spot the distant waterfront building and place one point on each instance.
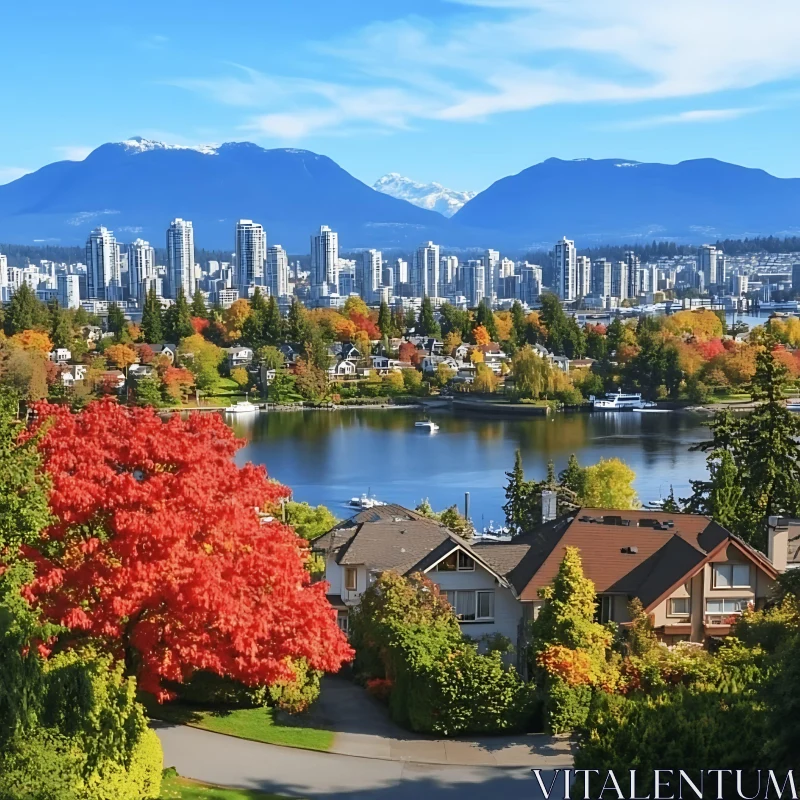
(324, 262)
(530, 283)
(474, 282)
(583, 274)
(387, 278)
(5, 291)
(69, 291)
(251, 253)
(565, 269)
(368, 275)
(277, 274)
(425, 277)
(103, 279)
(632, 264)
(707, 264)
(448, 270)
(180, 258)
(141, 267)
(619, 280)
(491, 273)
(601, 277)
(400, 272)
(741, 282)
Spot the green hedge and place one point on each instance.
(565, 707)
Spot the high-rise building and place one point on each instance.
(324, 262)
(795, 278)
(474, 282)
(425, 277)
(180, 258)
(632, 263)
(69, 291)
(565, 269)
(491, 273)
(387, 278)
(448, 269)
(619, 280)
(530, 283)
(400, 272)
(5, 293)
(601, 277)
(368, 275)
(251, 253)
(103, 279)
(707, 256)
(277, 271)
(141, 267)
(583, 274)
(741, 282)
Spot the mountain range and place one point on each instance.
(137, 186)
(433, 196)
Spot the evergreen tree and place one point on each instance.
(22, 312)
(615, 336)
(61, 328)
(116, 319)
(573, 477)
(258, 304)
(518, 324)
(411, 321)
(297, 329)
(428, 326)
(385, 320)
(148, 391)
(273, 323)
(178, 319)
(485, 316)
(198, 308)
(754, 460)
(671, 505)
(518, 491)
(152, 319)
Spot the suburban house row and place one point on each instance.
(693, 577)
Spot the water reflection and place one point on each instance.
(328, 457)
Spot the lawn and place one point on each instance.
(257, 724)
(183, 789)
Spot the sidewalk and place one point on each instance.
(363, 728)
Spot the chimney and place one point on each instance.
(778, 541)
(549, 505)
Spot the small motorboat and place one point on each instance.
(427, 425)
(365, 502)
(242, 407)
(793, 405)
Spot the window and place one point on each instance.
(350, 579)
(731, 576)
(726, 605)
(343, 621)
(456, 561)
(605, 606)
(472, 606)
(680, 607)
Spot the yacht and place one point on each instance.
(365, 502)
(429, 426)
(620, 402)
(242, 407)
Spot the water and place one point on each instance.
(329, 457)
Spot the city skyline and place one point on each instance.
(412, 87)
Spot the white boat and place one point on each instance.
(620, 402)
(429, 426)
(365, 502)
(242, 407)
(793, 405)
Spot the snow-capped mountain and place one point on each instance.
(432, 196)
(139, 144)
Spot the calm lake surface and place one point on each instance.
(330, 456)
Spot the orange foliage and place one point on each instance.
(177, 381)
(481, 335)
(366, 324)
(406, 352)
(32, 340)
(503, 323)
(710, 349)
(345, 330)
(199, 324)
(574, 667)
(121, 355)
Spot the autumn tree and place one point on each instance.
(121, 356)
(240, 377)
(481, 335)
(178, 382)
(406, 352)
(152, 318)
(609, 484)
(531, 373)
(484, 318)
(159, 555)
(32, 340)
(485, 381)
(203, 359)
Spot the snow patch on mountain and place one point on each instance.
(139, 144)
(432, 196)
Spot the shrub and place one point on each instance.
(297, 695)
(566, 707)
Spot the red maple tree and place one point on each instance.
(159, 553)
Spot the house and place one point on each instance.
(562, 362)
(290, 352)
(169, 351)
(92, 333)
(71, 374)
(431, 363)
(239, 356)
(381, 364)
(461, 353)
(60, 355)
(427, 344)
(693, 577)
(139, 371)
(393, 538)
(342, 369)
(113, 379)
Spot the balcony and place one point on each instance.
(719, 624)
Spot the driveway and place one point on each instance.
(239, 763)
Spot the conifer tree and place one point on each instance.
(518, 324)
(198, 307)
(385, 320)
(273, 323)
(485, 317)
(178, 319)
(517, 498)
(152, 318)
(428, 326)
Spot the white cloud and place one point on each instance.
(683, 117)
(73, 152)
(8, 174)
(497, 56)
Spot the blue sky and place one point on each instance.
(458, 91)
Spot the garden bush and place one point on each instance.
(565, 707)
(295, 696)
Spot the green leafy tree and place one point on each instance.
(283, 389)
(609, 484)
(24, 312)
(297, 328)
(152, 318)
(270, 357)
(428, 326)
(518, 324)
(198, 307)
(61, 328)
(458, 524)
(116, 320)
(309, 521)
(532, 374)
(178, 319)
(385, 320)
(148, 391)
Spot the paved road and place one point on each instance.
(243, 764)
